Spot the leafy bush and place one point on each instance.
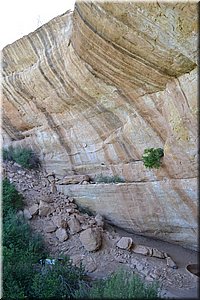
(12, 200)
(109, 179)
(23, 156)
(59, 281)
(23, 276)
(123, 285)
(152, 156)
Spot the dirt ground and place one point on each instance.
(175, 283)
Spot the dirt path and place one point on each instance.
(38, 193)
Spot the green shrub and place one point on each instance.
(123, 285)
(61, 280)
(23, 156)
(152, 156)
(12, 200)
(109, 179)
(23, 275)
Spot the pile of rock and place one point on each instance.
(61, 215)
(126, 243)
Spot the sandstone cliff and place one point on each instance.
(90, 90)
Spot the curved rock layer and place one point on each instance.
(90, 90)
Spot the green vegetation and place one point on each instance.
(25, 277)
(152, 156)
(108, 179)
(23, 156)
(122, 285)
(12, 200)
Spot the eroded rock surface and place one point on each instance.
(90, 90)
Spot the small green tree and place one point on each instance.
(23, 156)
(152, 156)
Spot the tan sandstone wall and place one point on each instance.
(90, 90)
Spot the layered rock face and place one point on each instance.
(90, 90)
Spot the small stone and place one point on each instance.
(139, 249)
(44, 209)
(157, 253)
(70, 210)
(149, 278)
(81, 218)
(99, 220)
(11, 175)
(74, 225)
(84, 182)
(171, 263)
(27, 214)
(34, 209)
(63, 224)
(92, 222)
(61, 234)
(50, 228)
(20, 213)
(85, 226)
(125, 243)
(70, 199)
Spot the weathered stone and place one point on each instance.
(91, 239)
(34, 209)
(50, 228)
(27, 214)
(20, 213)
(73, 179)
(70, 210)
(81, 218)
(44, 208)
(63, 223)
(92, 222)
(139, 249)
(61, 234)
(85, 226)
(171, 263)
(125, 243)
(84, 182)
(99, 220)
(156, 253)
(57, 220)
(74, 225)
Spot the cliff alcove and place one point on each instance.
(93, 88)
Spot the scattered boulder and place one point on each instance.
(50, 228)
(74, 179)
(34, 209)
(156, 253)
(44, 209)
(74, 225)
(91, 239)
(81, 218)
(125, 243)
(61, 234)
(139, 249)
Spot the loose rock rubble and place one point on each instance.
(84, 238)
